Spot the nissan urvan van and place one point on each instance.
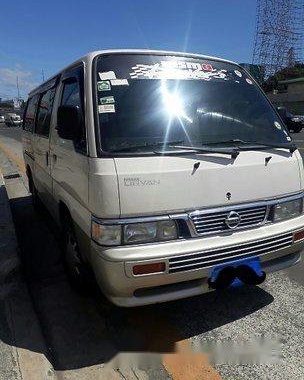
(170, 174)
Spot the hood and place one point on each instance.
(171, 184)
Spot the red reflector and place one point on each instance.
(297, 236)
(149, 268)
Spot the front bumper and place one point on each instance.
(113, 266)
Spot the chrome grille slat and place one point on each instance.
(202, 230)
(209, 258)
(250, 215)
(240, 248)
(214, 222)
(201, 224)
(209, 219)
(237, 253)
(223, 259)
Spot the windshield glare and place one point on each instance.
(145, 100)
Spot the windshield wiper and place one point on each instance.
(175, 145)
(206, 149)
(255, 144)
(133, 148)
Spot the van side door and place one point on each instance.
(69, 159)
(28, 130)
(41, 145)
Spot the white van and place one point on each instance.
(170, 174)
(12, 120)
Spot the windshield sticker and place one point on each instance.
(119, 82)
(238, 73)
(249, 81)
(107, 100)
(107, 75)
(104, 85)
(177, 70)
(277, 125)
(106, 108)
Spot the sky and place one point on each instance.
(48, 35)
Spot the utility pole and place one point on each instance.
(18, 90)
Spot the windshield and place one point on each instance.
(145, 100)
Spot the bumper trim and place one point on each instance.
(220, 256)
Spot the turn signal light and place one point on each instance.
(149, 268)
(298, 236)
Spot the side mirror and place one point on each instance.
(68, 122)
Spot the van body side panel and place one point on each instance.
(103, 188)
(70, 175)
(156, 185)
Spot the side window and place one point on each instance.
(72, 95)
(29, 117)
(44, 113)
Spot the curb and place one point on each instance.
(9, 259)
(25, 338)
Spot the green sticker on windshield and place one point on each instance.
(104, 85)
(107, 100)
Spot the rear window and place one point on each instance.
(44, 113)
(29, 117)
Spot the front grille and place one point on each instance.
(200, 260)
(214, 222)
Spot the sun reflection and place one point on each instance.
(173, 103)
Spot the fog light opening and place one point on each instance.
(298, 236)
(149, 268)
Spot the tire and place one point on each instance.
(77, 271)
(35, 196)
(297, 129)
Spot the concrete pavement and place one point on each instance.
(19, 326)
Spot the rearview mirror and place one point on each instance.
(68, 122)
(281, 111)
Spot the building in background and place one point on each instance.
(290, 94)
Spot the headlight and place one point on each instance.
(106, 234)
(287, 210)
(149, 232)
(111, 234)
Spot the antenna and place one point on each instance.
(279, 34)
(42, 75)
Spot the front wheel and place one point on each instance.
(76, 269)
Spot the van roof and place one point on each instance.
(90, 56)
